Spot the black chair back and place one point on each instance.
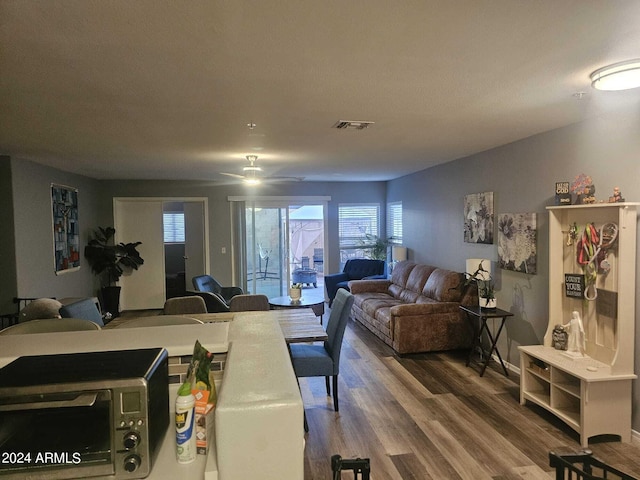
(206, 283)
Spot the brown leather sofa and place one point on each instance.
(417, 310)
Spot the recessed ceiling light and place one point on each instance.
(619, 76)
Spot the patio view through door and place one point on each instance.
(283, 242)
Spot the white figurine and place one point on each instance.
(576, 345)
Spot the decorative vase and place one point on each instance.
(487, 302)
(295, 294)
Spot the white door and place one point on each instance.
(194, 247)
(140, 220)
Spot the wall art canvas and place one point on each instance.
(478, 218)
(517, 249)
(66, 234)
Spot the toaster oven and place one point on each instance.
(83, 415)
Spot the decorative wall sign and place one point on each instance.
(517, 242)
(563, 195)
(574, 285)
(478, 218)
(66, 234)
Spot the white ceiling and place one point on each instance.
(164, 89)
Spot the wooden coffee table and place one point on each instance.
(313, 299)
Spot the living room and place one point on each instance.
(521, 174)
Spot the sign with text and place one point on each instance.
(563, 196)
(574, 285)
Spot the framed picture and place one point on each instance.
(66, 236)
(517, 249)
(478, 218)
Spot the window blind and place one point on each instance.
(173, 224)
(394, 222)
(355, 222)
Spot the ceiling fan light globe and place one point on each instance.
(252, 181)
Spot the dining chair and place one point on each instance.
(159, 321)
(85, 309)
(315, 360)
(51, 325)
(179, 305)
(249, 302)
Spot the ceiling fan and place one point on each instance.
(252, 174)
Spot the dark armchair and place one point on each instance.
(355, 269)
(206, 283)
(216, 297)
(213, 301)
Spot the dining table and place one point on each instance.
(298, 325)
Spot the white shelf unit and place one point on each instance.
(592, 394)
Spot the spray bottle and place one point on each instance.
(185, 424)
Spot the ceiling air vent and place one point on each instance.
(351, 124)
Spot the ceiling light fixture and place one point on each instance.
(619, 76)
(252, 167)
(251, 171)
(252, 181)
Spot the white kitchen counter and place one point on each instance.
(177, 339)
(259, 416)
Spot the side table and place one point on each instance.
(478, 317)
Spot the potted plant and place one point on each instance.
(295, 292)
(486, 288)
(377, 246)
(109, 261)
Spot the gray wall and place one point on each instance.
(220, 212)
(33, 220)
(522, 176)
(8, 288)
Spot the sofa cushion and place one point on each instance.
(383, 321)
(399, 277)
(370, 302)
(415, 283)
(443, 285)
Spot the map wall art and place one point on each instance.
(66, 234)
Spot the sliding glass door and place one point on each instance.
(266, 249)
(283, 242)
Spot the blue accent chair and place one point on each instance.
(315, 360)
(354, 269)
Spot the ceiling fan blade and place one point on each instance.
(283, 179)
(235, 175)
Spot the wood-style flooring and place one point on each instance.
(427, 416)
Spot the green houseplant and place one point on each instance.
(109, 261)
(376, 245)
